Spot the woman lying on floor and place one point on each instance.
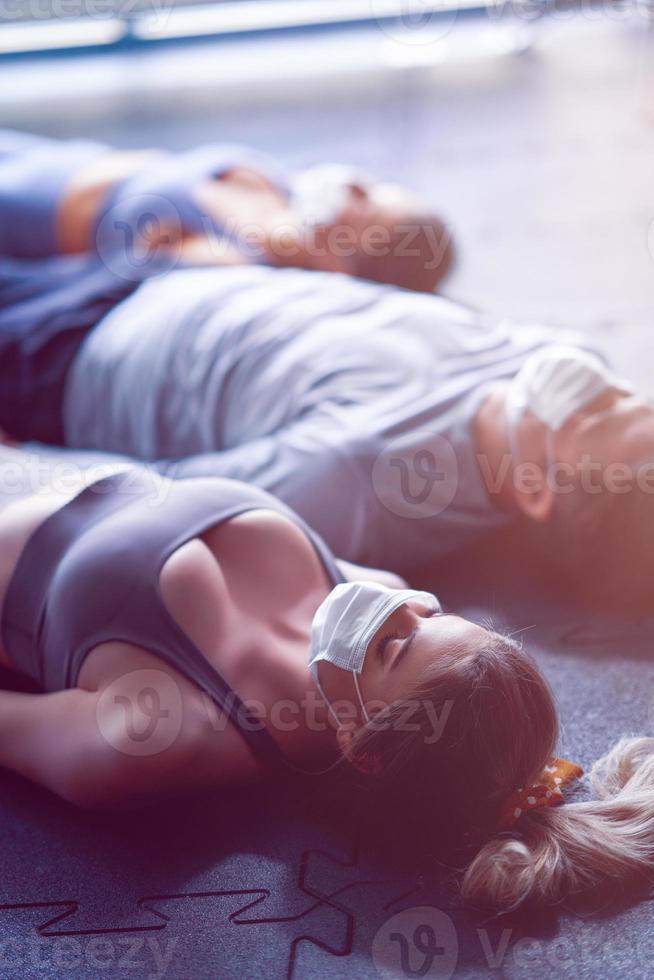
(219, 204)
(142, 606)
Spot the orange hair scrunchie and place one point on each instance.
(546, 791)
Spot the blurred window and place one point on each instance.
(51, 25)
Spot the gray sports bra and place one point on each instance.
(90, 573)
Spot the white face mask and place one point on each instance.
(347, 620)
(554, 384)
(319, 194)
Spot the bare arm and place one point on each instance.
(51, 739)
(81, 747)
(80, 204)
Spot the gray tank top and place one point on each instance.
(90, 574)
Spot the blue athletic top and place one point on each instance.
(163, 193)
(90, 573)
(34, 173)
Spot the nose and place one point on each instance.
(401, 621)
(605, 400)
(412, 613)
(423, 606)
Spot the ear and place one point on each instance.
(536, 503)
(368, 764)
(533, 493)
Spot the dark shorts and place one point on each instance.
(47, 307)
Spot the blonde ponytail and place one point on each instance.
(558, 852)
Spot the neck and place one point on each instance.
(304, 729)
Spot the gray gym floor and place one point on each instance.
(542, 162)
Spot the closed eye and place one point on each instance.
(389, 637)
(406, 645)
(383, 643)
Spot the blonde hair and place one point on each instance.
(567, 851)
(500, 732)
